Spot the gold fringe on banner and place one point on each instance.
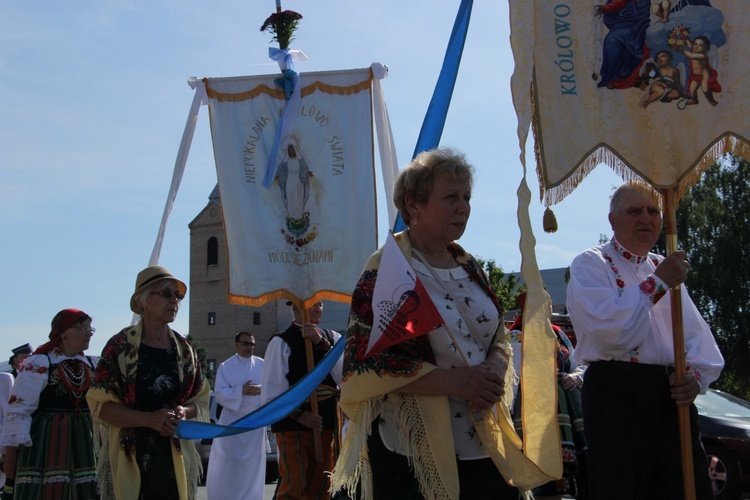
(286, 294)
(602, 154)
(728, 143)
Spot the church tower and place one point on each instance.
(213, 320)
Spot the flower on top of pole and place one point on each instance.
(282, 25)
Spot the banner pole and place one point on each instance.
(669, 196)
(314, 395)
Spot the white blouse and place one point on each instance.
(453, 347)
(28, 386)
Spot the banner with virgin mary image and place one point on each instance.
(656, 89)
(307, 231)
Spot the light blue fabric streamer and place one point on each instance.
(292, 95)
(434, 120)
(281, 55)
(271, 412)
(287, 82)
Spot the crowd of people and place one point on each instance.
(80, 427)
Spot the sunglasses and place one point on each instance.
(168, 294)
(245, 343)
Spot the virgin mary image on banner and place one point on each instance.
(294, 230)
(295, 180)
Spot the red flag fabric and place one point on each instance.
(401, 306)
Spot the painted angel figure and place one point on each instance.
(702, 75)
(666, 83)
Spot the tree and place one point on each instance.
(713, 228)
(202, 353)
(504, 285)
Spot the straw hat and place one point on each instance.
(148, 276)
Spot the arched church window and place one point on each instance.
(212, 254)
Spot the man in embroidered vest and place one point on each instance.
(621, 313)
(285, 362)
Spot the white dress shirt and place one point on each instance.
(618, 313)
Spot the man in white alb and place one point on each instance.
(237, 465)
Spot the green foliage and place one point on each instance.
(202, 353)
(713, 228)
(504, 285)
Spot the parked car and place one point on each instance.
(204, 447)
(724, 422)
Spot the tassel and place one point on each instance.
(549, 221)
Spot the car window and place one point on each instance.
(720, 404)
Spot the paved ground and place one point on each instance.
(267, 493)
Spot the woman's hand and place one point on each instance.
(164, 421)
(479, 386)
(497, 362)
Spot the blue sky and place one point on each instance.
(95, 98)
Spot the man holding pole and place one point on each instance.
(623, 323)
(301, 475)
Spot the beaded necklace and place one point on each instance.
(74, 376)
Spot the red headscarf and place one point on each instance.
(61, 322)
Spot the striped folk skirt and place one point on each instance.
(60, 464)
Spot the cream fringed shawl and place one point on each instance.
(119, 476)
(424, 420)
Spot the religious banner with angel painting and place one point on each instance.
(655, 89)
(307, 230)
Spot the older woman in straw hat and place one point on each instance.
(48, 432)
(149, 378)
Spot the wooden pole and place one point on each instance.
(314, 395)
(669, 197)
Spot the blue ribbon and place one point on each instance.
(434, 120)
(271, 412)
(288, 82)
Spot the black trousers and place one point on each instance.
(633, 435)
(393, 477)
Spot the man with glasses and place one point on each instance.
(237, 465)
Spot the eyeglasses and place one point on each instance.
(252, 344)
(84, 329)
(168, 294)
